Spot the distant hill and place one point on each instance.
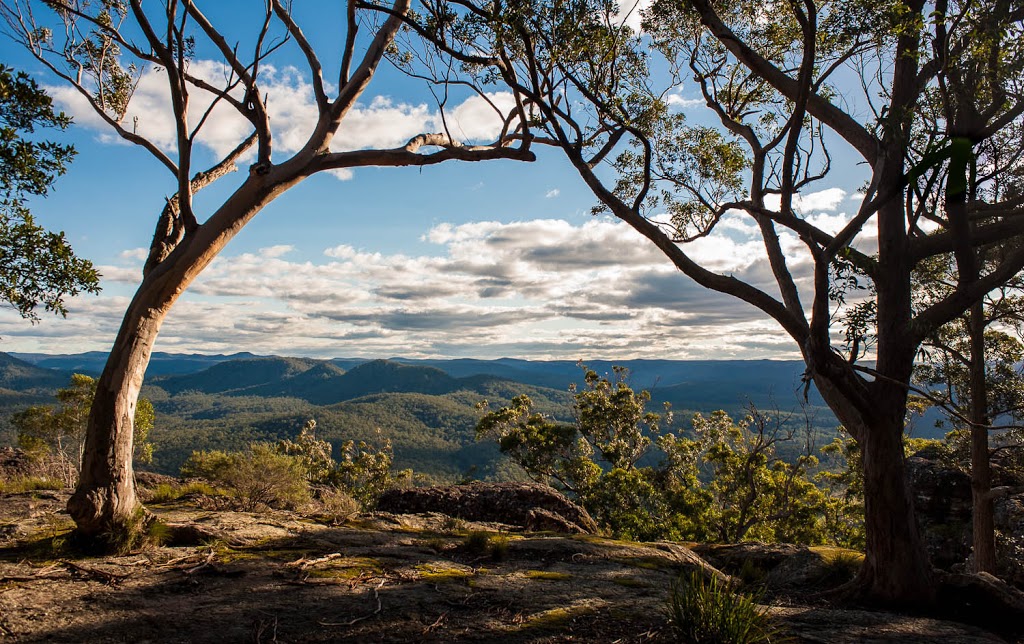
(235, 375)
(160, 364)
(23, 376)
(426, 407)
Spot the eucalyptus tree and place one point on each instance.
(101, 49)
(971, 369)
(914, 90)
(37, 267)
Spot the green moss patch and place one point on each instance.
(547, 575)
(442, 572)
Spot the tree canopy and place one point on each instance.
(37, 266)
(927, 96)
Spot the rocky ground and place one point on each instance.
(232, 576)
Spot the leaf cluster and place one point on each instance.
(37, 267)
(725, 481)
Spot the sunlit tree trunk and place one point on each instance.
(105, 501)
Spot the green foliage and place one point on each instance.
(756, 494)
(363, 471)
(844, 482)
(706, 611)
(37, 267)
(260, 476)
(165, 492)
(29, 484)
(313, 453)
(58, 433)
(727, 482)
(337, 504)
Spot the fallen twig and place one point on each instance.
(108, 577)
(304, 563)
(437, 623)
(376, 595)
(195, 569)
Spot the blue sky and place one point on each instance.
(457, 260)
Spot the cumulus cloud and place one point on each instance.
(678, 100)
(551, 194)
(630, 13)
(535, 288)
(812, 202)
(382, 123)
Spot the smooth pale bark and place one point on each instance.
(105, 501)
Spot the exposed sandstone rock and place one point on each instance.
(942, 501)
(532, 506)
(778, 567)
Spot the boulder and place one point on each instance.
(529, 505)
(942, 502)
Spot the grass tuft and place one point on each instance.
(29, 484)
(707, 611)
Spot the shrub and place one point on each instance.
(337, 505)
(165, 492)
(258, 477)
(706, 611)
(363, 471)
(29, 484)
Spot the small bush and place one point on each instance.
(165, 492)
(499, 546)
(751, 573)
(481, 542)
(840, 566)
(258, 477)
(338, 505)
(477, 542)
(29, 484)
(706, 611)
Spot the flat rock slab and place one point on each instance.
(280, 576)
(831, 626)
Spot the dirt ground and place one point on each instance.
(284, 577)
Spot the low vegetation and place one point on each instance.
(706, 610)
(291, 473)
(54, 437)
(723, 481)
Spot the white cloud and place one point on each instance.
(535, 288)
(276, 251)
(134, 253)
(383, 123)
(630, 13)
(828, 200)
(551, 194)
(677, 100)
(479, 119)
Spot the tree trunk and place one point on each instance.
(984, 538)
(896, 567)
(105, 503)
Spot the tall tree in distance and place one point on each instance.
(100, 49)
(37, 267)
(970, 366)
(933, 85)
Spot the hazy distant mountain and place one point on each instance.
(426, 407)
(160, 364)
(235, 375)
(19, 375)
